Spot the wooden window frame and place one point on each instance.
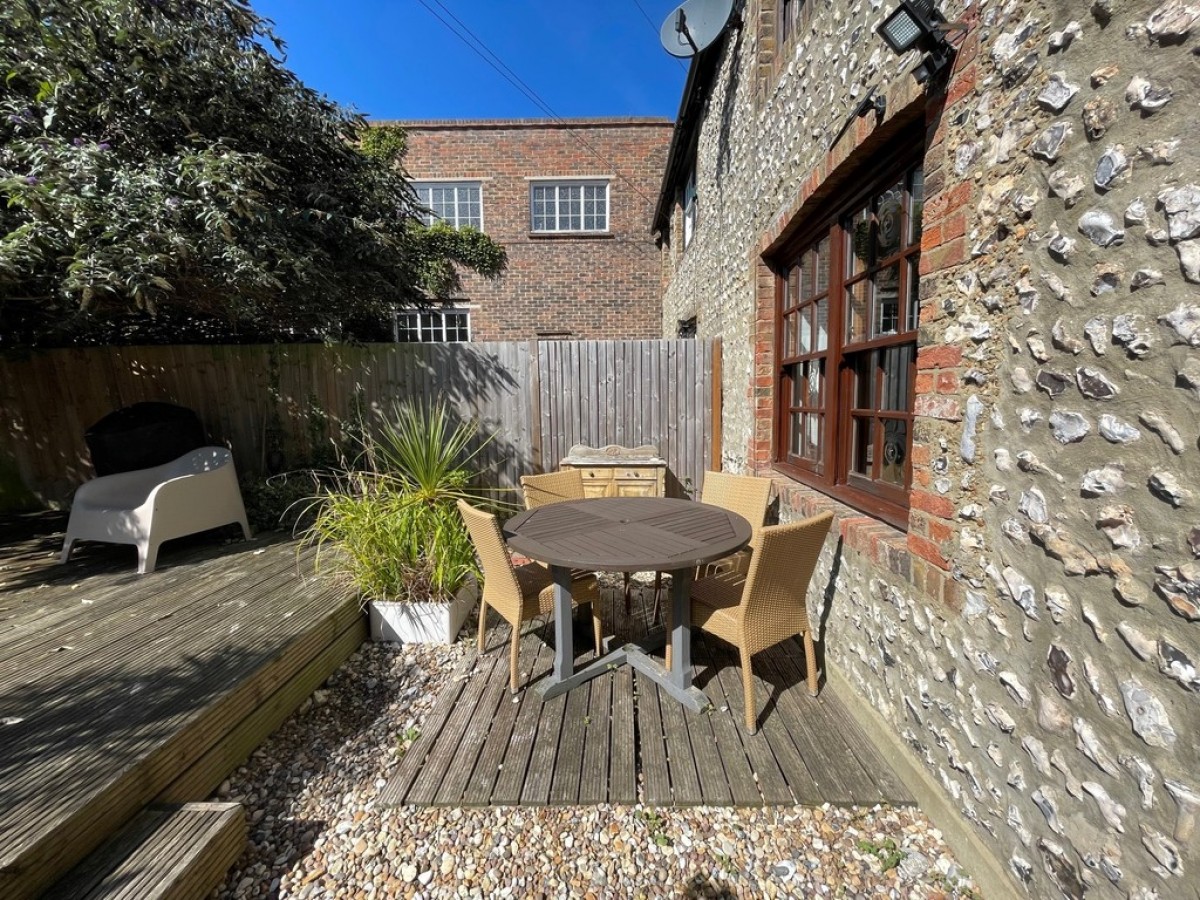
(831, 472)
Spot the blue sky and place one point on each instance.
(392, 59)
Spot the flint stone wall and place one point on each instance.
(1033, 636)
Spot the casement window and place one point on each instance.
(432, 326)
(568, 206)
(689, 209)
(457, 203)
(847, 345)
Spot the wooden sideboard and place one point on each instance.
(614, 471)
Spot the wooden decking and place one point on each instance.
(620, 739)
(119, 691)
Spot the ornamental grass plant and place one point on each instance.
(387, 522)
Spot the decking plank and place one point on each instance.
(444, 752)
(494, 696)
(536, 789)
(398, 786)
(685, 781)
(834, 769)
(568, 764)
(507, 791)
(593, 781)
(622, 767)
(487, 769)
(656, 779)
(743, 789)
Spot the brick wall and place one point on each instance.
(583, 286)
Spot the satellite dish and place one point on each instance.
(694, 25)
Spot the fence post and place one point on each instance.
(717, 394)
(535, 407)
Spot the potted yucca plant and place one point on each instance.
(387, 523)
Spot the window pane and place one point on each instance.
(864, 380)
(821, 266)
(862, 447)
(856, 311)
(790, 324)
(821, 317)
(888, 219)
(858, 242)
(814, 372)
(805, 342)
(896, 368)
(792, 286)
(813, 436)
(916, 205)
(895, 449)
(887, 301)
(914, 295)
(796, 434)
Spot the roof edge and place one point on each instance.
(589, 122)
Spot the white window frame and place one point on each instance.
(459, 187)
(430, 326)
(562, 206)
(690, 219)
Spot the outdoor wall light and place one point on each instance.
(917, 24)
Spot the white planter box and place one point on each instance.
(422, 623)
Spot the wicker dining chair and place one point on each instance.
(765, 604)
(557, 487)
(518, 593)
(553, 487)
(746, 495)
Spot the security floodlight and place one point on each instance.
(917, 24)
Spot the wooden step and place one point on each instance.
(172, 852)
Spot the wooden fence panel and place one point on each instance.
(285, 405)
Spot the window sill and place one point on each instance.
(873, 537)
(571, 235)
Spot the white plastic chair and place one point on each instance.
(145, 507)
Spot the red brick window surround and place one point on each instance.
(846, 338)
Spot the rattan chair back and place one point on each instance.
(745, 495)
(553, 487)
(500, 587)
(782, 561)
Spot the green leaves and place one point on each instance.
(159, 156)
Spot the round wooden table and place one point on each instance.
(627, 534)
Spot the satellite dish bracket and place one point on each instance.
(681, 28)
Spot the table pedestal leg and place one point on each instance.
(564, 637)
(681, 631)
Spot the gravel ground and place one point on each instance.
(310, 792)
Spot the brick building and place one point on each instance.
(570, 200)
(963, 314)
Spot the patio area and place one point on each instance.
(620, 739)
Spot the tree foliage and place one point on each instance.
(158, 158)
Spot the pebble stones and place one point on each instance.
(1172, 21)
(1099, 114)
(1141, 94)
(1182, 209)
(1055, 96)
(1185, 320)
(1117, 431)
(1147, 714)
(1094, 384)
(1065, 185)
(1112, 168)
(1100, 228)
(1049, 143)
(1069, 427)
